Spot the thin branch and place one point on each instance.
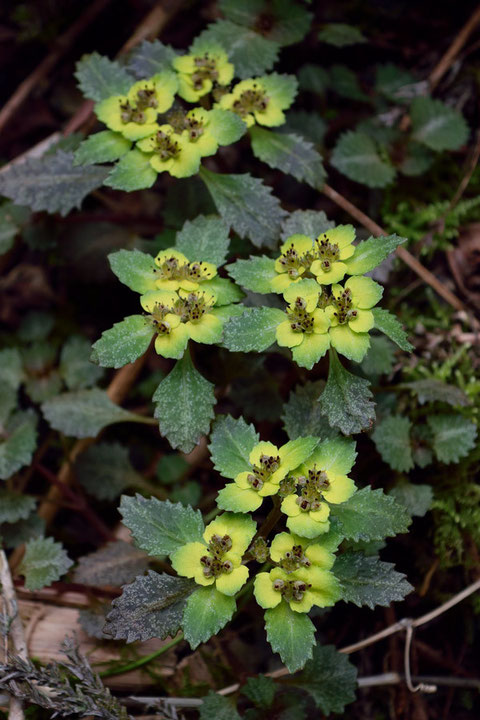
(449, 56)
(61, 46)
(13, 628)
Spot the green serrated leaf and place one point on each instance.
(250, 53)
(309, 125)
(289, 153)
(392, 439)
(311, 223)
(288, 22)
(356, 156)
(302, 414)
(346, 400)
(330, 678)
(114, 564)
(369, 581)
(151, 607)
(380, 357)
(207, 611)
(218, 707)
(184, 405)
(160, 527)
(134, 269)
(105, 146)
(226, 293)
(247, 205)
(371, 515)
(314, 78)
(18, 533)
(416, 498)
(100, 78)
(84, 413)
(391, 327)
(15, 507)
(150, 58)
(291, 634)
(394, 82)
(436, 125)
(431, 390)
(341, 35)
(132, 172)
(345, 83)
(370, 253)
(123, 343)
(231, 443)
(105, 470)
(18, 443)
(453, 436)
(205, 239)
(417, 160)
(260, 690)
(11, 368)
(44, 562)
(226, 126)
(254, 274)
(51, 183)
(10, 226)
(254, 330)
(75, 366)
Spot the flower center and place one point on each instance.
(291, 589)
(250, 101)
(129, 113)
(312, 487)
(205, 69)
(300, 320)
(213, 562)
(193, 307)
(293, 559)
(161, 326)
(146, 98)
(261, 473)
(328, 253)
(165, 146)
(344, 307)
(172, 269)
(292, 262)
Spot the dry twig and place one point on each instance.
(13, 628)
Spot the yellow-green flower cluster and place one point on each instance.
(174, 139)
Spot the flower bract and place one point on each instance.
(172, 335)
(218, 560)
(198, 72)
(170, 152)
(292, 552)
(257, 101)
(174, 271)
(301, 589)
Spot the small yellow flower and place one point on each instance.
(134, 115)
(174, 271)
(198, 72)
(301, 589)
(196, 309)
(332, 248)
(292, 552)
(218, 560)
(297, 254)
(305, 328)
(260, 100)
(172, 335)
(350, 316)
(170, 152)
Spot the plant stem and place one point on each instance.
(144, 660)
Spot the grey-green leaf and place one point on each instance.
(392, 328)
(100, 78)
(51, 183)
(369, 581)
(330, 678)
(184, 405)
(254, 330)
(392, 439)
(207, 611)
(260, 690)
(417, 499)
(150, 58)
(370, 253)
(254, 274)
(289, 153)
(44, 562)
(218, 707)
(436, 125)
(371, 515)
(15, 507)
(357, 156)
(114, 564)
(432, 390)
(311, 223)
(18, 444)
(135, 269)
(104, 470)
(160, 527)
(75, 366)
(291, 634)
(84, 413)
(205, 239)
(101, 147)
(230, 445)
(247, 205)
(302, 414)
(123, 343)
(453, 436)
(346, 400)
(151, 607)
(341, 35)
